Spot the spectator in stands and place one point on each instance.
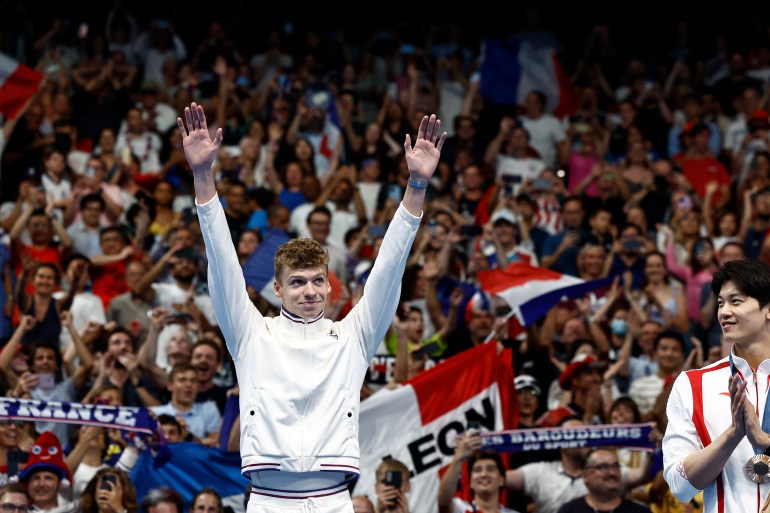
(162, 500)
(201, 420)
(602, 478)
(486, 475)
(392, 492)
(670, 352)
(44, 379)
(15, 495)
(108, 491)
(206, 500)
(47, 478)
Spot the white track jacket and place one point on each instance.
(299, 378)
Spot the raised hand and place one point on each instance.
(199, 149)
(423, 158)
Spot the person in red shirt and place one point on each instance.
(108, 270)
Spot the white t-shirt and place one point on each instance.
(167, 294)
(545, 133)
(369, 192)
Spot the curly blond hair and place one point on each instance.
(300, 254)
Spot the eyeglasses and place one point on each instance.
(10, 507)
(8, 423)
(528, 391)
(604, 467)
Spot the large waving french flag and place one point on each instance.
(18, 83)
(512, 69)
(531, 291)
(416, 423)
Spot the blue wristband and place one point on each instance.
(418, 184)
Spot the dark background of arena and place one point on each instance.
(639, 30)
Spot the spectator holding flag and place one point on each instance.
(299, 373)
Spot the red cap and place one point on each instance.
(579, 363)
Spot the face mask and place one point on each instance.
(618, 327)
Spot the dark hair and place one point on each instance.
(750, 277)
(13, 488)
(39, 212)
(179, 369)
(104, 339)
(695, 265)
(169, 420)
(210, 343)
(116, 229)
(630, 404)
(487, 455)
(53, 345)
(733, 244)
(73, 257)
(49, 265)
(673, 334)
(93, 198)
(540, 95)
(666, 278)
(206, 491)
(88, 497)
(319, 209)
(162, 494)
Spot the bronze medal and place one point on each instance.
(758, 469)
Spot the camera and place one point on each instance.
(471, 230)
(632, 245)
(393, 478)
(108, 482)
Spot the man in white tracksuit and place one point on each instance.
(300, 374)
(716, 439)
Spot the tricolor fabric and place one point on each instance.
(512, 69)
(18, 83)
(417, 422)
(531, 291)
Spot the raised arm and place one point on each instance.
(422, 160)
(227, 287)
(200, 150)
(466, 443)
(373, 314)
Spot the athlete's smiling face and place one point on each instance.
(741, 317)
(303, 292)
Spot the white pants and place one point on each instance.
(338, 502)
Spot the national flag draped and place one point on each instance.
(18, 83)
(511, 70)
(416, 423)
(531, 291)
(192, 467)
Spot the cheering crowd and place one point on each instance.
(651, 174)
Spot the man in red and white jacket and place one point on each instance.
(715, 439)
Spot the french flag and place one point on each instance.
(18, 83)
(416, 423)
(531, 291)
(512, 69)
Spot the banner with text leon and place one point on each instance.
(417, 423)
